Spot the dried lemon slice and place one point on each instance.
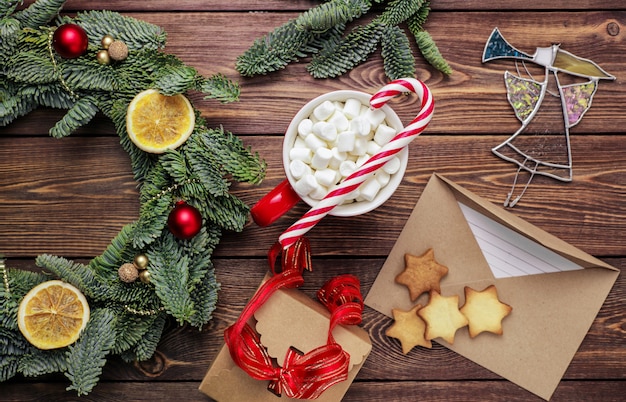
(156, 122)
(52, 315)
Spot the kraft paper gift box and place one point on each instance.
(288, 318)
(555, 289)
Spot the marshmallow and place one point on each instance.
(346, 168)
(360, 146)
(382, 177)
(340, 121)
(369, 189)
(299, 143)
(372, 147)
(323, 111)
(336, 158)
(299, 169)
(326, 177)
(384, 134)
(318, 193)
(375, 116)
(305, 127)
(360, 125)
(306, 185)
(392, 166)
(321, 158)
(301, 154)
(326, 131)
(314, 142)
(362, 159)
(352, 108)
(345, 141)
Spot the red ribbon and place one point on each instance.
(302, 376)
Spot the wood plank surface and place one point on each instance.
(71, 196)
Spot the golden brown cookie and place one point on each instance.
(442, 317)
(421, 274)
(409, 328)
(484, 310)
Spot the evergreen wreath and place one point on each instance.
(127, 319)
(321, 34)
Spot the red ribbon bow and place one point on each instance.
(302, 376)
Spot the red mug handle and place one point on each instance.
(274, 204)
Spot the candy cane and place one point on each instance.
(352, 182)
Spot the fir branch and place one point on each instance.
(431, 53)
(396, 52)
(169, 272)
(175, 79)
(219, 87)
(398, 11)
(353, 50)
(77, 116)
(146, 346)
(227, 211)
(39, 362)
(330, 14)
(205, 299)
(418, 19)
(39, 13)
(130, 329)
(87, 356)
(229, 152)
(136, 34)
(72, 272)
(274, 51)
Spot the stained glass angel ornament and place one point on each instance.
(563, 94)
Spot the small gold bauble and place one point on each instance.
(141, 261)
(118, 50)
(144, 276)
(103, 57)
(128, 272)
(106, 41)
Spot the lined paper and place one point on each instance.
(509, 253)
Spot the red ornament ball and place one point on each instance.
(70, 41)
(184, 221)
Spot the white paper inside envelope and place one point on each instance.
(288, 318)
(508, 252)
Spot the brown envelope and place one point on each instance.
(288, 318)
(552, 312)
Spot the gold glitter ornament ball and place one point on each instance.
(118, 50)
(128, 273)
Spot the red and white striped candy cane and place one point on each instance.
(376, 161)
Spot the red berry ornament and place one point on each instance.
(184, 221)
(70, 41)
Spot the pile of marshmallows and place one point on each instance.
(336, 139)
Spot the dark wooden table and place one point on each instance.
(70, 197)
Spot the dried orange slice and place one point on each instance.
(52, 315)
(156, 122)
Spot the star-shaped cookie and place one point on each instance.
(484, 311)
(409, 328)
(421, 274)
(442, 317)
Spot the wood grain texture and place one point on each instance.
(70, 197)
